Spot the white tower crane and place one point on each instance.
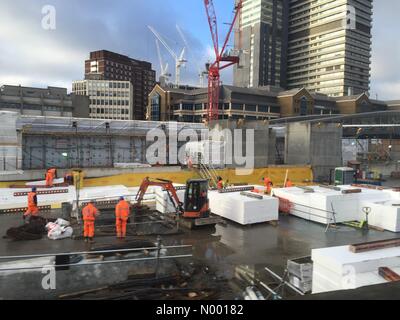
(179, 60)
(164, 77)
(201, 73)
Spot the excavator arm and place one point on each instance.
(167, 186)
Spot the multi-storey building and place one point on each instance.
(108, 99)
(106, 65)
(321, 45)
(51, 101)
(329, 48)
(262, 38)
(270, 103)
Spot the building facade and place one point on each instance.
(321, 45)
(52, 102)
(169, 104)
(262, 38)
(106, 65)
(107, 99)
(268, 103)
(329, 49)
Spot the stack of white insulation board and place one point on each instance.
(320, 203)
(103, 193)
(12, 198)
(42, 183)
(163, 202)
(243, 209)
(340, 269)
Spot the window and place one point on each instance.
(251, 107)
(303, 106)
(263, 109)
(237, 106)
(155, 112)
(187, 107)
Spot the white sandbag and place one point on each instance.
(62, 222)
(58, 233)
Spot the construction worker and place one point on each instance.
(289, 184)
(33, 211)
(122, 211)
(220, 183)
(89, 214)
(268, 184)
(50, 176)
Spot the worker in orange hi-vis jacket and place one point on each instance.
(289, 184)
(50, 176)
(33, 210)
(268, 184)
(220, 183)
(89, 214)
(122, 211)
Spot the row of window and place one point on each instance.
(102, 102)
(109, 111)
(227, 106)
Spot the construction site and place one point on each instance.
(292, 208)
(324, 221)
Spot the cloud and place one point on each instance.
(30, 55)
(385, 66)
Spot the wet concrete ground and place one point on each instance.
(224, 247)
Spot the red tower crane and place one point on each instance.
(222, 60)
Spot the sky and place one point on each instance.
(33, 56)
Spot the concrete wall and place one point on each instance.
(68, 151)
(10, 147)
(318, 146)
(261, 138)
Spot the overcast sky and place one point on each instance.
(30, 55)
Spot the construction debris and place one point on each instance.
(34, 230)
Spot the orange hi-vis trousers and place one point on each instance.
(121, 227)
(88, 229)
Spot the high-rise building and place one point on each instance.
(262, 38)
(106, 65)
(329, 49)
(321, 45)
(108, 99)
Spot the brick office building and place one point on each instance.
(106, 65)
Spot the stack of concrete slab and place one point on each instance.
(243, 209)
(319, 204)
(163, 202)
(340, 269)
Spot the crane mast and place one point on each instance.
(222, 60)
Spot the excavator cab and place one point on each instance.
(196, 203)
